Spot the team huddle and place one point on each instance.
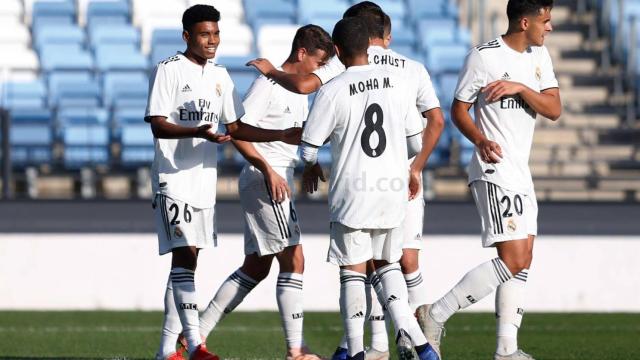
(379, 112)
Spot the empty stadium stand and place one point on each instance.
(74, 81)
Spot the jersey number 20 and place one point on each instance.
(371, 127)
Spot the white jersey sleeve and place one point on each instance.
(161, 93)
(232, 108)
(473, 77)
(321, 120)
(330, 70)
(547, 76)
(256, 102)
(426, 97)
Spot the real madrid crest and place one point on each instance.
(218, 90)
(511, 225)
(538, 73)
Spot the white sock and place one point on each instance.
(396, 297)
(229, 295)
(379, 337)
(184, 295)
(474, 285)
(171, 326)
(352, 308)
(416, 289)
(289, 297)
(509, 312)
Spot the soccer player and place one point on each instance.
(508, 81)
(426, 101)
(369, 120)
(271, 224)
(189, 95)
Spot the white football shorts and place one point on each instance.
(505, 215)
(349, 246)
(269, 226)
(178, 224)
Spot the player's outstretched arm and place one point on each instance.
(490, 151)
(430, 137)
(278, 186)
(301, 84)
(546, 103)
(162, 129)
(241, 131)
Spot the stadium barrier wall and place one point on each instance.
(124, 272)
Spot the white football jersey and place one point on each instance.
(268, 105)
(367, 116)
(413, 73)
(189, 95)
(509, 121)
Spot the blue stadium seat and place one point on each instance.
(124, 87)
(70, 89)
(446, 86)
(446, 58)
(236, 63)
(160, 52)
(31, 94)
(134, 136)
(167, 35)
(119, 57)
(402, 35)
(64, 57)
(264, 10)
(309, 11)
(108, 12)
(114, 34)
(31, 136)
(58, 34)
(436, 9)
(54, 8)
(84, 133)
(397, 10)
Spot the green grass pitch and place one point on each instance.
(134, 335)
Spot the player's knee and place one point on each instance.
(517, 264)
(184, 257)
(409, 264)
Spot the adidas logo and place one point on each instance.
(186, 88)
(357, 315)
(506, 76)
(391, 299)
(287, 110)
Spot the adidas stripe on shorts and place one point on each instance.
(505, 215)
(178, 224)
(349, 246)
(269, 226)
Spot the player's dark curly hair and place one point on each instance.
(372, 14)
(199, 13)
(350, 35)
(517, 9)
(313, 38)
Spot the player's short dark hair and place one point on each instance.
(313, 38)
(199, 13)
(387, 24)
(517, 9)
(372, 14)
(350, 35)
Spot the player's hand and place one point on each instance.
(263, 65)
(206, 132)
(500, 88)
(490, 151)
(310, 177)
(415, 183)
(292, 135)
(278, 186)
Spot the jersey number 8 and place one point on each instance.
(371, 127)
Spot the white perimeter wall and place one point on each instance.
(124, 272)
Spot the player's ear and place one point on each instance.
(337, 51)
(387, 40)
(185, 36)
(524, 23)
(300, 54)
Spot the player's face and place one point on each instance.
(538, 27)
(310, 61)
(203, 39)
